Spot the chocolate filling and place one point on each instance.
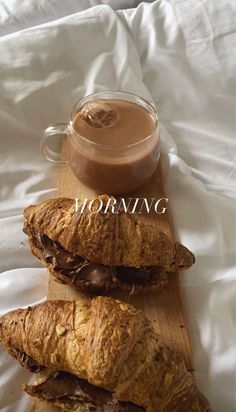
(68, 389)
(71, 390)
(94, 277)
(25, 360)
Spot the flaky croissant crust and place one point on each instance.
(109, 343)
(107, 238)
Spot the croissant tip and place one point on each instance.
(185, 258)
(4, 320)
(27, 211)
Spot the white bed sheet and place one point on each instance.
(20, 14)
(180, 55)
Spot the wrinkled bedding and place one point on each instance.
(179, 55)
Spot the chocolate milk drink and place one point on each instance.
(118, 145)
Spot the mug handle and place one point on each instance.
(54, 134)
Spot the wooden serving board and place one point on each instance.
(165, 308)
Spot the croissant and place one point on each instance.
(100, 354)
(97, 252)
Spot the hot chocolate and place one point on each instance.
(119, 146)
(113, 142)
(127, 122)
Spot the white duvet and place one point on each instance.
(178, 54)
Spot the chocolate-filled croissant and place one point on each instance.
(99, 355)
(97, 252)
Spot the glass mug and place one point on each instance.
(115, 157)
